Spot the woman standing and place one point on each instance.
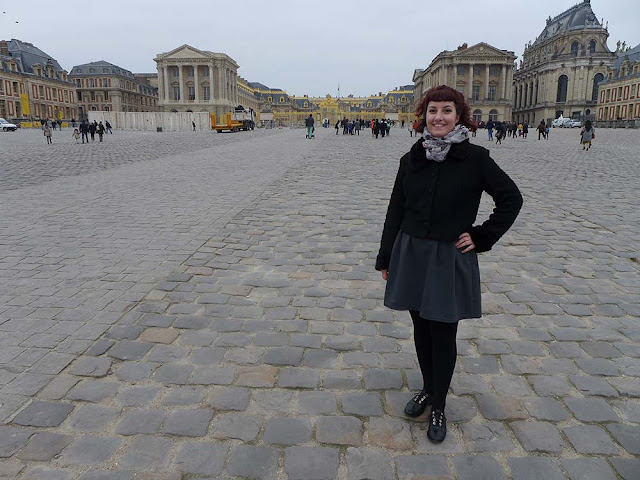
(47, 134)
(429, 243)
(587, 134)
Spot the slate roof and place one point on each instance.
(26, 56)
(578, 17)
(633, 55)
(99, 69)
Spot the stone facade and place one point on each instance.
(102, 86)
(28, 74)
(483, 73)
(247, 96)
(560, 71)
(619, 98)
(192, 80)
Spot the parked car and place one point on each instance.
(561, 122)
(6, 126)
(574, 124)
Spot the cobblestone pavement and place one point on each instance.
(216, 315)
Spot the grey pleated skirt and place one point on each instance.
(434, 278)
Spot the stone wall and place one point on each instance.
(150, 121)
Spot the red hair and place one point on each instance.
(444, 93)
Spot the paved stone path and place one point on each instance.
(215, 314)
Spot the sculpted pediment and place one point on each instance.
(185, 51)
(479, 50)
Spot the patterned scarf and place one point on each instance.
(437, 148)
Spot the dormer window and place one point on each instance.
(306, 104)
(403, 99)
(269, 98)
(281, 99)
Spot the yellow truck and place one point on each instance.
(240, 119)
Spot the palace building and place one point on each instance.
(619, 92)
(560, 71)
(482, 73)
(282, 108)
(33, 85)
(192, 80)
(103, 86)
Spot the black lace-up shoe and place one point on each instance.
(418, 404)
(437, 426)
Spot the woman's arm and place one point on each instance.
(395, 213)
(508, 202)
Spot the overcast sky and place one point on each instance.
(365, 46)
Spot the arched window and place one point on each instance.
(269, 98)
(493, 115)
(477, 115)
(592, 46)
(597, 79)
(563, 83)
(574, 48)
(281, 99)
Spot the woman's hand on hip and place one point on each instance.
(465, 243)
(385, 273)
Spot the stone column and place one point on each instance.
(180, 83)
(220, 83)
(211, 84)
(486, 81)
(470, 82)
(160, 83)
(196, 87)
(503, 82)
(455, 78)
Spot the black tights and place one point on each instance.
(437, 351)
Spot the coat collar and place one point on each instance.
(418, 157)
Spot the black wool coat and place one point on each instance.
(440, 200)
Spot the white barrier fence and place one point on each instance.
(151, 121)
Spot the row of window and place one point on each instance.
(11, 108)
(477, 115)
(494, 70)
(619, 112)
(190, 71)
(106, 82)
(191, 92)
(620, 93)
(524, 94)
(14, 88)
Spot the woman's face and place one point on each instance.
(441, 118)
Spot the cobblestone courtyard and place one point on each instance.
(196, 305)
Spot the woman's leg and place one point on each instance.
(444, 351)
(424, 342)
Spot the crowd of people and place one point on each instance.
(85, 130)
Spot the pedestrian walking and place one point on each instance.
(358, 126)
(525, 130)
(587, 134)
(428, 251)
(309, 124)
(542, 129)
(84, 130)
(193, 124)
(76, 134)
(337, 126)
(107, 127)
(490, 126)
(47, 134)
(100, 130)
(92, 130)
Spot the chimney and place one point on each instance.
(4, 47)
